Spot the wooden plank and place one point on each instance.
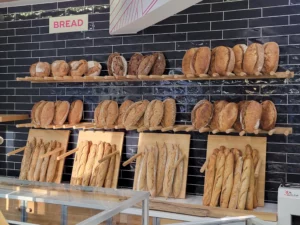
(13, 117)
(259, 143)
(10, 209)
(2, 219)
(150, 139)
(116, 138)
(61, 136)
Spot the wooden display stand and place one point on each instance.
(150, 139)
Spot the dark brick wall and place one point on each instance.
(24, 39)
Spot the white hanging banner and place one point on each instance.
(68, 24)
(131, 16)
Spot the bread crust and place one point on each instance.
(89, 165)
(37, 170)
(218, 107)
(253, 59)
(53, 163)
(251, 115)
(177, 184)
(134, 63)
(169, 115)
(201, 60)
(83, 157)
(154, 113)
(236, 181)
(25, 165)
(245, 183)
(142, 177)
(33, 111)
(134, 113)
(32, 70)
(96, 113)
(202, 114)
(224, 60)
(212, 66)
(103, 167)
(96, 166)
(109, 112)
(40, 69)
(109, 62)
(239, 52)
(159, 65)
(122, 110)
(161, 165)
(38, 111)
(34, 160)
(170, 171)
(237, 125)
(152, 170)
(271, 58)
(47, 114)
(45, 163)
(187, 61)
(250, 195)
(209, 179)
(61, 112)
(147, 64)
(119, 66)
(75, 113)
(94, 69)
(227, 116)
(111, 169)
(78, 68)
(227, 180)
(60, 68)
(268, 116)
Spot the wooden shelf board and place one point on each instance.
(13, 117)
(68, 79)
(177, 128)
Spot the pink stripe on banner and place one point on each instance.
(121, 16)
(117, 12)
(150, 7)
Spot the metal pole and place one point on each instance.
(23, 211)
(109, 221)
(145, 211)
(155, 221)
(64, 215)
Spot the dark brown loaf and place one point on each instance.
(202, 114)
(47, 114)
(119, 66)
(60, 68)
(239, 52)
(253, 59)
(109, 62)
(169, 115)
(147, 64)
(75, 113)
(271, 59)
(209, 179)
(122, 110)
(269, 115)
(160, 64)
(188, 60)
(201, 61)
(227, 116)
(224, 60)
(218, 106)
(134, 63)
(61, 112)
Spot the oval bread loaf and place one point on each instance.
(239, 52)
(271, 58)
(253, 59)
(75, 113)
(169, 117)
(60, 68)
(134, 113)
(160, 64)
(202, 114)
(218, 106)
(147, 64)
(47, 114)
(153, 114)
(201, 61)
(188, 60)
(228, 116)
(134, 63)
(109, 62)
(61, 112)
(122, 110)
(224, 60)
(269, 115)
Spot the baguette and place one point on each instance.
(34, 160)
(103, 167)
(161, 165)
(209, 179)
(46, 162)
(255, 156)
(250, 195)
(37, 170)
(170, 172)
(76, 163)
(227, 180)
(95, 171)
(25, 165)
(236, 183)
(142, 181)
(245, 183)
(218, 179)
(177, 184)
(152, 170)
(111, 169)
(52, 164)
(82, 162)
(89, 165)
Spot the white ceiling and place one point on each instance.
(9, 3)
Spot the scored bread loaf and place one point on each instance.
(268, 116)
(109, 62)
(177, 184)
(27, 155)
(103, 167)
(209, 179)
(224, 60)
(237, 124)
(33, 111)
(245, 183)
(51, 172)
(169, 116)
(227, 180)
(253, 59)
(89, 165)
(34, 159)
(38, 112)
(218, 179)
(271, 58)
(159, 65)
(75, 113)
(218, 107)
(161, 165)
(37, 170)
(111, 170)
(152, 170)
(250, 116)
(227, 116)
(212, 66)
(47, 114)
(239, 52)
(40, 69)
(201, 61)
(202, 114)
(255, 156)
(60, 68)
(108, 114)
(147, 64)
(96, 113)
(119, 66)
(94, 69)
(76, 162)
(142, 176)
(188, 60)
(154, 113)
(96, 166)
(78, 68)
(61, 112)
(46, 162)
(122, 110)
(82, 162)
(250, 195)
(134, 63)
(134, 113)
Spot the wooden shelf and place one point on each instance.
(177, 128)
(13, 117)
(68, 79)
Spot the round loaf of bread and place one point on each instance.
(202, 114)
(147, 64)
(122, 110)
(32, 70)
(187, 61)
(60, 68)
(250, 116)
(224, 60)
(228, 116)
(78, 68)
(109, 62)
(169, 116)
(119, 66)
(75, 113)
(40, 69)
(218, 106)
(154, 114)
(47, 114)
(134, 63)
(271, 58)
(239, 51)
(253, 59)
(160, 64)
(61, 112)
(94, 69)
(269, 115)
(201, 61)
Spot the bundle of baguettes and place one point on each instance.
(87, 171)
(46, 113)
(230, 180)
(240, 60)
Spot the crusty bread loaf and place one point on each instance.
(227, 180)
(82, 162)
(122, 110)
(109, 62)
(255, 156)
(94, 69)
(142, 176)
(228, 116)
(253, 59)
(50, 177)
(271, 57)
(202, 114)
(75, 113)
(45, 162)
(96, 113)
(218, 179)
(161, 165)
(111, 170)
(61, 112)
(147, 64)
(209, 179)
(76, 162)
(201, 61)
(96, 166)
(134, 63)
(245, 183)
(34, 160)
(224, 60)
(188, 60)
(103, 167)
(78, 68)
(47, 114)
(60, 68)
(250, 195)
(237, 124)
(218, 107)
(169, 116)
(251, 116)
(236, 182)
(239, 52)
(119, 66)
(32, 70)
(152, 170)
(212, 66)
(177, 183)
(38, 112)
(154, 113)
(159, 65)
(40, 69)
(268, 116)
(89, 165)
(109, 112)
(27, 155)
(37, 170)
(134, 113)
(33, 111)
